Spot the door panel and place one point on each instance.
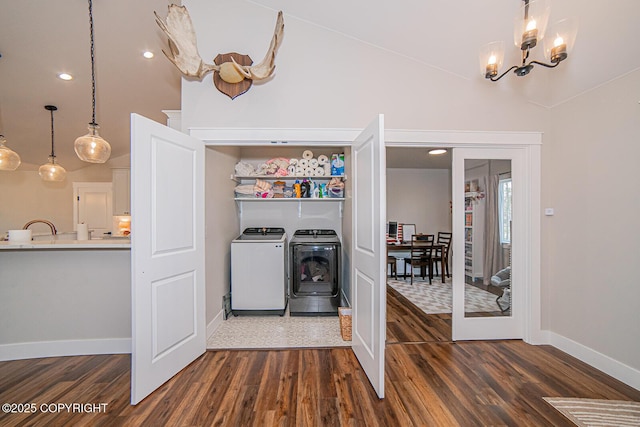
(482, 308)
(168, 297)
(369, 246)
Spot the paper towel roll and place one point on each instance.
(303, 163)
(318, 171)
(322, 159)
(293, 162)
(299, 171)
(313, 163)
(307, 154)
(83, 232)
(291, 170)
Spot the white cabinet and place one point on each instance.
(122, 191)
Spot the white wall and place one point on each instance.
(24, 196)
(421, 197)
(590, 246)
(324, 79)
(222, 225)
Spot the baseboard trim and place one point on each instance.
(33, 350)
(215, 323)
(606, 364)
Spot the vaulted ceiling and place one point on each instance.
(39, 39)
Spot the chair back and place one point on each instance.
(444, 238)
(421, 247)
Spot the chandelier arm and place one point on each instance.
(545, 65)
(503, 74)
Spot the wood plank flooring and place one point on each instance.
(429, 382)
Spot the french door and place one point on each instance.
(491, 232)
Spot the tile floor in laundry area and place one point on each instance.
(249, 332)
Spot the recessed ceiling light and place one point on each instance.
(148, 54)
(437, 151)
(65, 76)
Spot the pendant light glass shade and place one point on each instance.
(9, 159)
(52, 171)
(91, 147)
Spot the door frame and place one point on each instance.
(530, 145)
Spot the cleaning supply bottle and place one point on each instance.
(298, 189)
(305, 189)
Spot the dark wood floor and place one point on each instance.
(430, 381)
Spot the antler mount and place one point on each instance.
(233, 73)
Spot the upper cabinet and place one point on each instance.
(122, 191)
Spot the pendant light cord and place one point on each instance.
(93, 71)
(52, 150)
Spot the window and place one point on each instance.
(504, 190)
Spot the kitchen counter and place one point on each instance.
(68, 244)
(65, 297)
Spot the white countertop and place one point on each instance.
(68, 244)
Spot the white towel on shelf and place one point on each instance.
(313, 163)
(307, 154)
(291, 170)
(303, 163)
(323, 160)
(299, 171)
(293, 162)
(318, 171)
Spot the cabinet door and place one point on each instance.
(121, 192)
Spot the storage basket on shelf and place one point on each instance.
(345, 322)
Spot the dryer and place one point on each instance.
(315, 273)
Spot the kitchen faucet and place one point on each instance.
(44, 221)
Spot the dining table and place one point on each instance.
(406, 246)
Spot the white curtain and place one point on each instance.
(493, 259)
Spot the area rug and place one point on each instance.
(597, 412)
(436, 298)
(252, 332)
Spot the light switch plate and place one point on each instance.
(548, 211)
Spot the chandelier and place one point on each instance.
(530, 28)
(92, 147)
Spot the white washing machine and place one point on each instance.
(259, 271)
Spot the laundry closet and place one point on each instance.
(228, 214)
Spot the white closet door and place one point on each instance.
(168, 288)
(369, 246)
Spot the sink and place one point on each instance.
(69, 235)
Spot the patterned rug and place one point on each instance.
(597, 412)
(248, 332)
(436, 298)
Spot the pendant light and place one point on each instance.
(92, 147)
(52, 171)
(9, 159)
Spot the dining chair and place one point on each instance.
(393, 263)
(444, 238)
(421, 255)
